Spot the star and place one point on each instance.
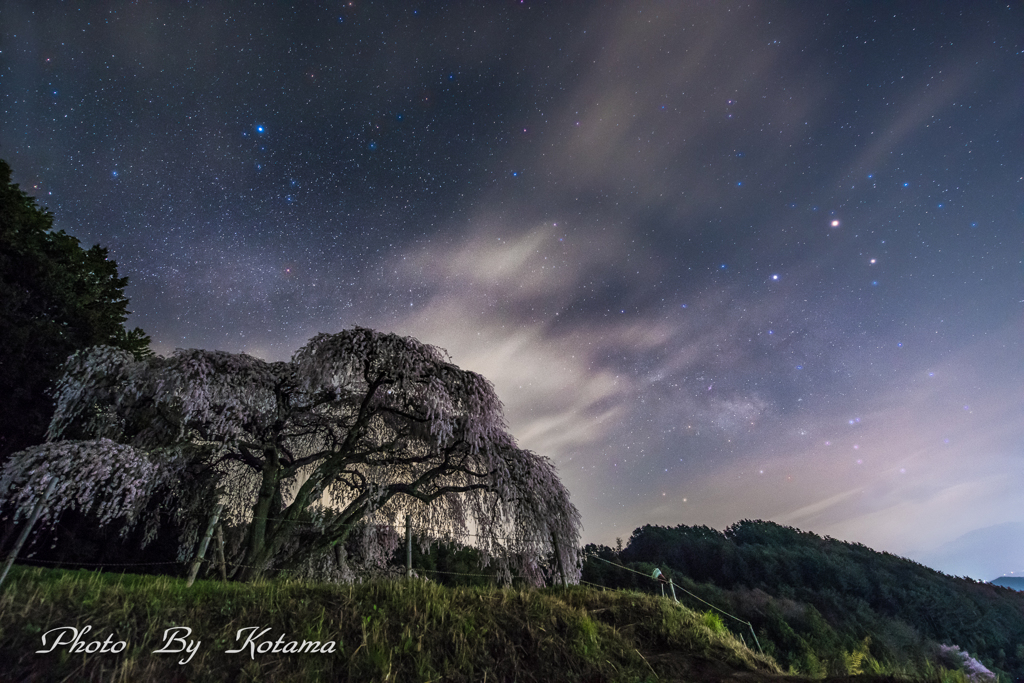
(387, 180)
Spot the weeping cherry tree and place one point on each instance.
(359, 430)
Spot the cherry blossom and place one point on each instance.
(358, 431)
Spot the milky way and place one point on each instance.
(721, 260)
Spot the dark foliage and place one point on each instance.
(815, 600)
(55, 298)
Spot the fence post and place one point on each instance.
(28, 527)
(220, 553)
(202, 545)
(758, 642)
(558, 559)
(408, 546)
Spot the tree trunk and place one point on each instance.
(257, 547)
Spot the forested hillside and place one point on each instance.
(817, 603)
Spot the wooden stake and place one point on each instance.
(220, 553)
(203, 545)
(408, 546)
(28, 527)
(755, 637)
(558, 560)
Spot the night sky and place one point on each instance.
(721, 260)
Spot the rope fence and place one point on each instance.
(423, 570)
(200, 559)
(184, 563)
(437, 535)
(696, 597)
(442, 535)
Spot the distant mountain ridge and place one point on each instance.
(1014, 582)
(981, 553)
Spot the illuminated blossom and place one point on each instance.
(359, 430)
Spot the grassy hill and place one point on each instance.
(377, 631)
(816, 602)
